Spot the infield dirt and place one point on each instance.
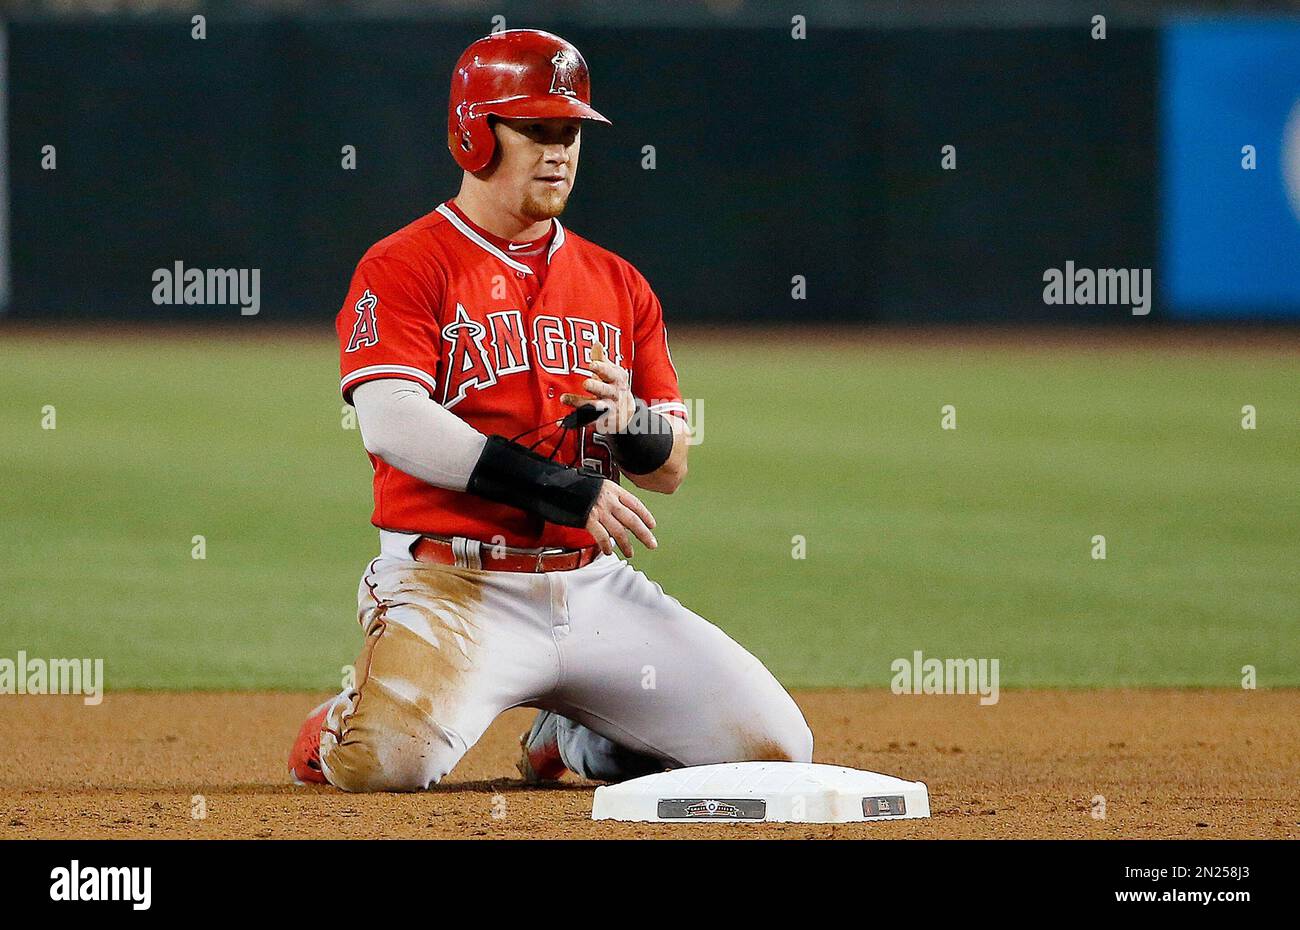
(1037, 764)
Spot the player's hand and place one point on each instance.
(609, 389)
(616, 517)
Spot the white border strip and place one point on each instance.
(556, 242)
(5, 293)
(670, 407)
(405, 372)
(480, 241)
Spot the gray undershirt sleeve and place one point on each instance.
(401, 424)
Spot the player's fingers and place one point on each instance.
(610, 372)
(576, 400)
(618, 531)
(597, 352)
(634, 523)
(601, 535)
(601, 389)
(633, 503)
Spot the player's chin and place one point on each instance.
(545, 204)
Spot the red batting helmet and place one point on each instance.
(516, 73)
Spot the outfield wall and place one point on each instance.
(773, 157)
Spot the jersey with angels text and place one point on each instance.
(442, 303)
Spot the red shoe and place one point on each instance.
(539, 757)
(304, 758)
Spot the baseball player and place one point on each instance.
(505, 374)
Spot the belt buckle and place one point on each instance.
(543, 553)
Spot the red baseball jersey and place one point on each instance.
(497, 339)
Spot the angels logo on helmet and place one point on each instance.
(566, 65)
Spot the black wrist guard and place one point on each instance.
(644, 444)
(510, 474)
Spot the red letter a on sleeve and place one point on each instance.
(364, 331)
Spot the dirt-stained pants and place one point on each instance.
(635, 673)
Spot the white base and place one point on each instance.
(784, 792)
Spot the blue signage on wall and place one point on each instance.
(1230, 100)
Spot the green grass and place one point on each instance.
(973, 542)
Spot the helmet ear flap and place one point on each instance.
(471, 141)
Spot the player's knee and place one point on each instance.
(361, 768)
(382, 759)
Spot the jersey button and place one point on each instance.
(550, 392)
(519, 274)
